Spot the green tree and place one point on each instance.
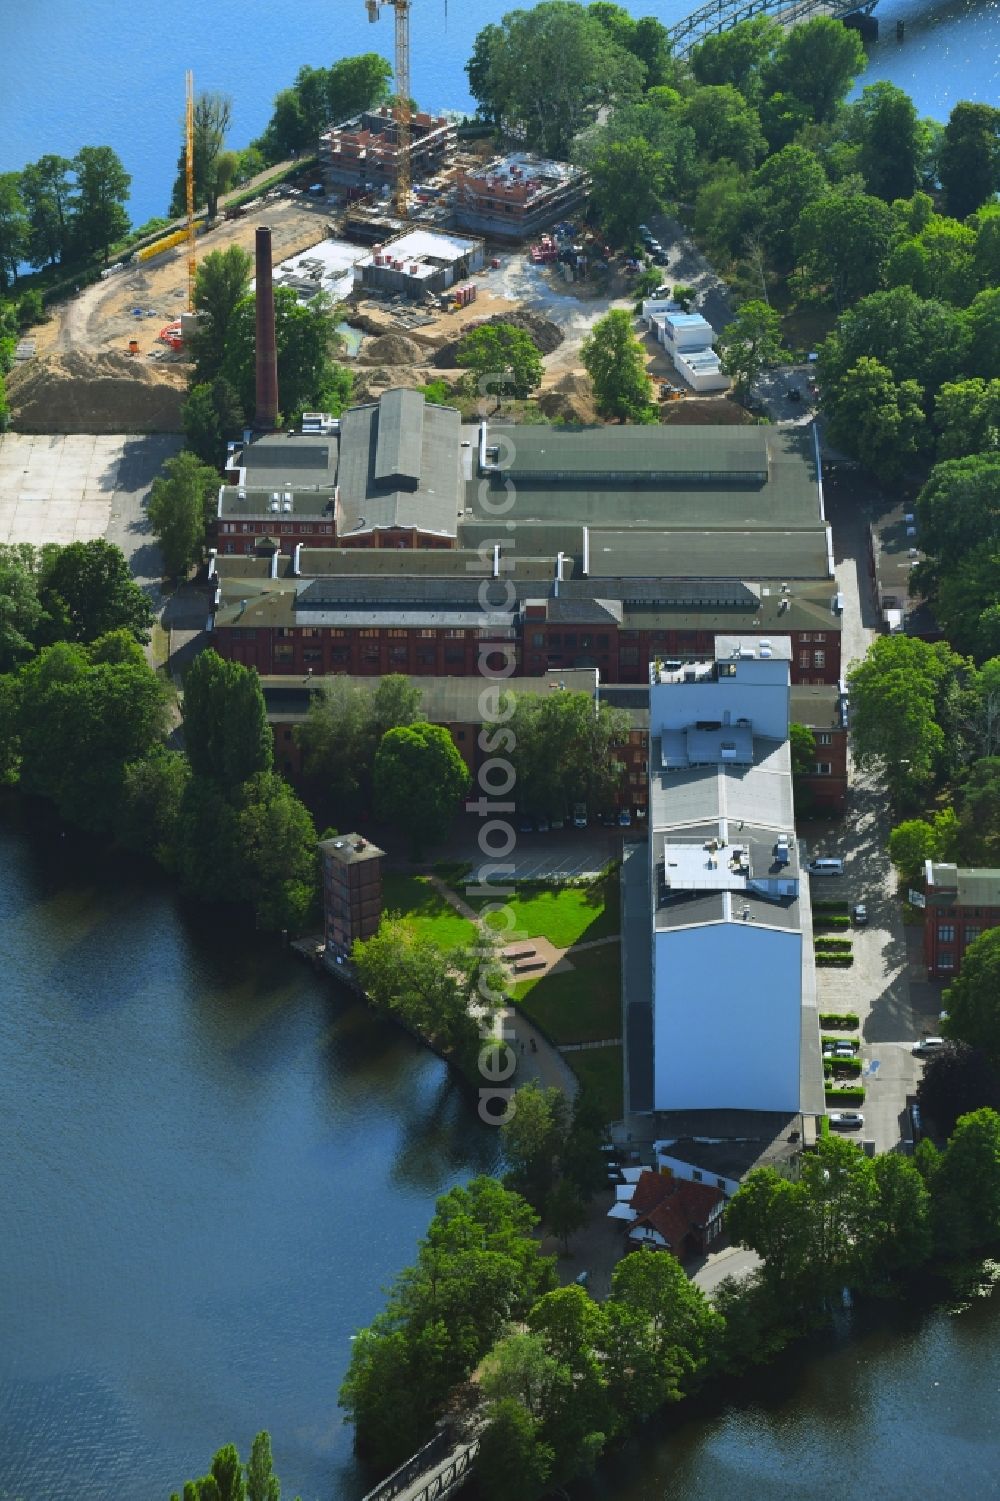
(973, 999)
(725, 125)
(226, 733)
(896, 693)
(152, 795)
(965, 1188)
(14, 228)
(277, 842)
(615, 361)
(221, 282)
(180, 502)
(227, 1472)
(419, 777)
(803, 747)
(262, 1484)
(901, 1231)
(10, 734)
(675, 1318)
(357, 83)
(767, 1214)
(565, 1211)
(514, 1463)
(287, 131)
(407, 975)
(306, 338)
(844, 237)
(500, 355)
(967, 415)
(817, 62)
(564, 752)
(786, 184)
(85, 713)
(956, 1080)
(47, 194)
(838, 1182)
(980, 810)
(547, 71)
(738, 56)
(982, 322)
(102, 189)
(750, 343)
(884, 122)
(21, 613)
(958, 508)
(578, 1418)
(969, 161)
(90, 586)
(533, 1138)
(879, 420)
(911, 843)
(211, 414)
(213, 115)
(630, 181)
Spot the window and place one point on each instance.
(946, 959)
(310, 631)
(459, 734)
(824, 738)
(312, 654)
(803, 659)
(397, 634)
(455, 635)
(370, 635)
(283, 651)
(819, 658)
(427, 635)
(805, 636)
(696, 1176)
(946, 932)
(286, 734)
(971, 934)
(820, 636)
(537, 638)
(822, 769)
(721, 1183)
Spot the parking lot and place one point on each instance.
(560, 855)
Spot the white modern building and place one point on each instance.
(688, 339)
(734, 1022)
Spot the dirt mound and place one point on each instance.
(391, 349)
(95, 393)
(571, 400)
(369, 384)
(546, 334)
(697, 411)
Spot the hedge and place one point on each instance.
(829, 960)
(832, 920)
(848, 1065)
(850, 1094)
(846, 1021)
(829, 1042)
(831, 907)
(833, 945)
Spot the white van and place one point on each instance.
(825, 867)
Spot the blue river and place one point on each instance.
(111, 72)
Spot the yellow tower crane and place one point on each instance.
(189, 184)
(402, 9)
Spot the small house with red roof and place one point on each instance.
(674, 1214)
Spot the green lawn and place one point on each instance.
(578, 1005)
(600, 1069)
(414, 897)
(563, 914)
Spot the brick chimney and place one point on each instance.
(267, 355)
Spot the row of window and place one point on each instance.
(818, 659)
(946, 933)
(288, 528)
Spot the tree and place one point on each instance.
(85, 713)
(221, 281)
(287, 131)
(419, 777)
(615, 361)
(21, 613)
(357, 83)
(785, 184)
(980, 814)
(547, 71)
(969, 160)
(277, 842)
(102, 189)
(227, 1472)
(967, 414)
(738, 56)
(226, 733)
(911, 843)
(914, 337)
(14, 228)
(212, 117)
(725, 125)
(983, 324)
(342, 732)
(673, 1315)
(817, 62)
(306, 339)
(211, 414)
(877, 419)
(844, 238)
(751, 342)
(958, 508)
(514, 1463)
(152, 794)
(564, 753)
(767, 1214)
(262, 1483)
(956, 1080)
(901, 1231)
(501, 355)
(896, 694)
(180, 502)
(629, 186)
(884, 122)
(803, 747)
(973, 999)
(565, 1211)
(89, 584)
(533, 1138)
(966, 1186)
(47, 194)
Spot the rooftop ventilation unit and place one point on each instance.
(765, 651)
(782, 607)
(765, 641)
(287, 507)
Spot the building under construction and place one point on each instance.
(515, 196)
(362, 155)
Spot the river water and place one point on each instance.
(112, 71)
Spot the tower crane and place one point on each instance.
(192, 259)
(402, 9)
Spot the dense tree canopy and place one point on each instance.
(564, 753)
(615, 361)
(897, 694)
(226, 733)
(503, 359)
(307, 340)
(182, 503)
(90, 586)
(973, 999)
(970, 157)
(419, 777)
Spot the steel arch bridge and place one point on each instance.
(720, 15)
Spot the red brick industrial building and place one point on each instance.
(961, 905)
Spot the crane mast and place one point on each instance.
(189, 186)
(402, 9)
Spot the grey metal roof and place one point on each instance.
(637, 979)
(743, 550)
(400, 466)
(312, 460)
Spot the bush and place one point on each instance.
(842, 1067)
(831, 907)
(829, 1041)
(832, 920)
(845, 1021)
(833, 945)
(845, 1094)
(827, 959)
(30, 308)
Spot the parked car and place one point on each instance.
(861, 915)
(625, 819)
(557, 823)
(542, 826)
(846, 1120)
(580, 819)
(843, 1049)
(793, 393)
(609, 821)
(927, 1045)
(826, 866)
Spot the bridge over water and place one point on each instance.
(437, 1470)
(720, 15)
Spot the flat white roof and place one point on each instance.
(420, 245)
(327, 266)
